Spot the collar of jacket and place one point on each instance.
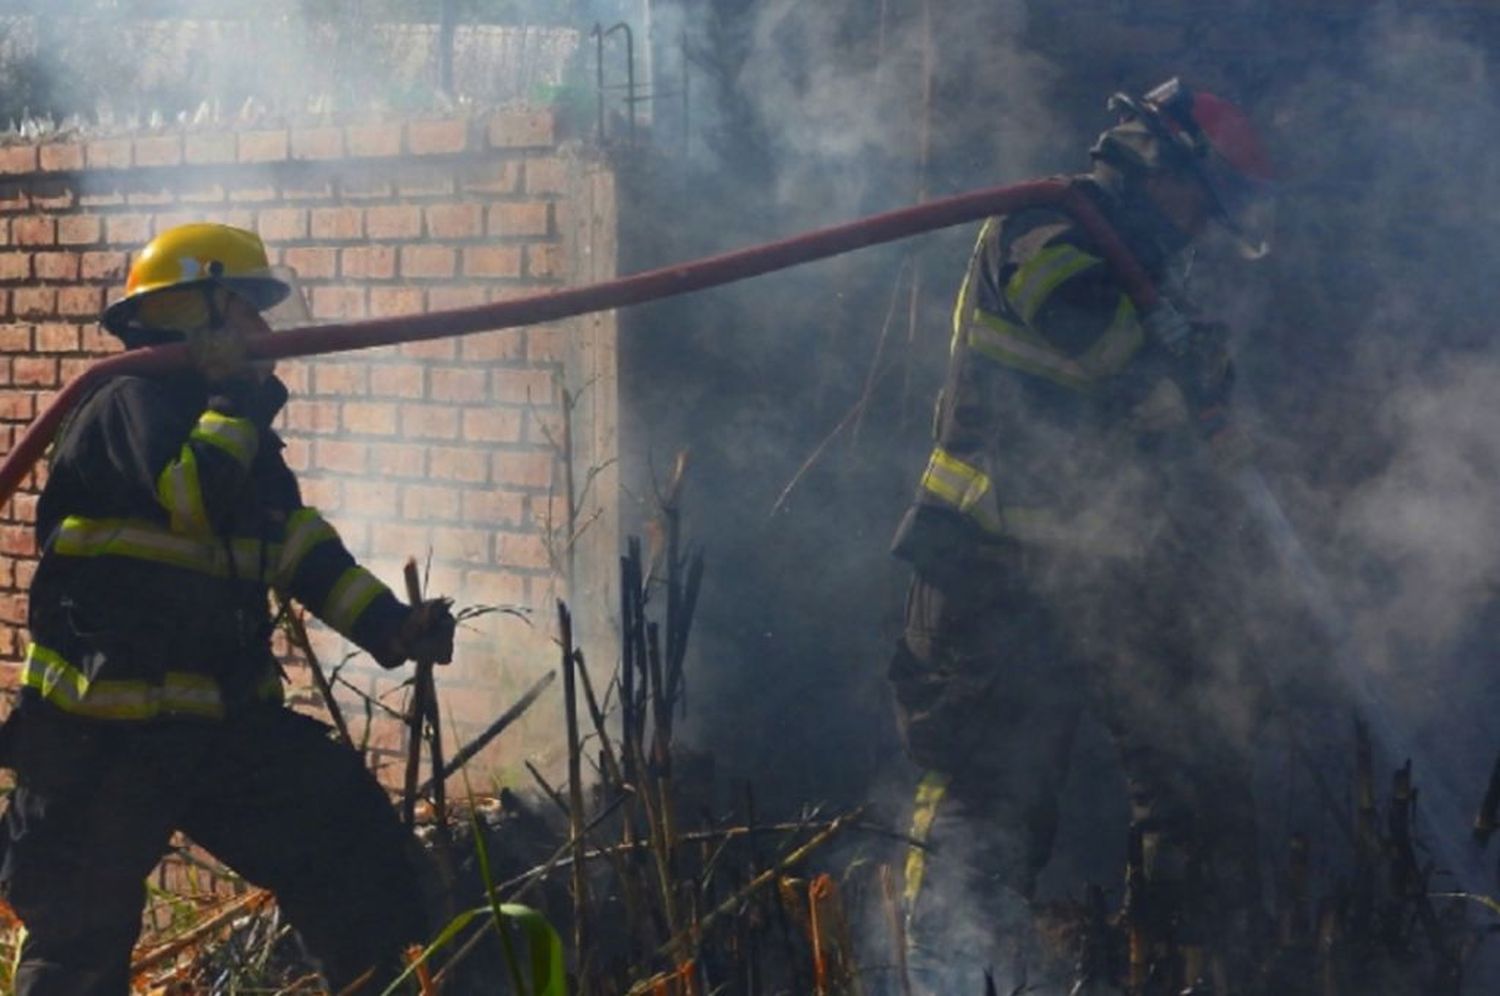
(1147, 233)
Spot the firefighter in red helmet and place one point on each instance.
(150, 699)
(1068, 542)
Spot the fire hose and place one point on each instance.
(1443, 806)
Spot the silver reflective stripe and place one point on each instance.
(63, 685)
(355, 589)
(304, 530)
(1118, 345)
(1042, 274)
(1013, 346)
(236, 436)
(81, 537)
(962, 485)
(180, 493)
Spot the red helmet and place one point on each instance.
(1214, 139)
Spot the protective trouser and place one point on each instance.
(266, 791)
(988, 702)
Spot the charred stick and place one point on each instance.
(418, 713)
(575, 781)
(297, 630)
(627, 662)
(548, 790)
(466, 753)
(896, 924)
(766, 877)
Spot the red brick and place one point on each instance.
(450, 463)
(56, 265)
(98, 191)
(52, 195)
(338, 302)
(492, 425)
(373, 499)
(14, 197)
(158, 150)
(282, 224)
(304, 415)
(79, 302)
(15, 338)
(79, 229)
(337, 223)
(548, 343)
(426, 261)
(429, 422)
(108, 153)
(395, 540)
(373, 140)
(494, 588)
(15, 265)
(431, 349)
(524, 550)
(484, 347)
(18, 541)
(253, 191)
(70, 368)
(394, 221)
(158, 196)
(470, 546)
(98, 342)
(492, 261)
(500, 508)
(398, 380)
(428, 138)
(36, 302)
(491, 176)
(298, 453)
(521, 387)
(35, 371)
(525, 470)
(317, 143)
(127, 229)
(18, 158)
(17, 406)
(301, 185)
(200, 190)
(429, 502)
(545, 176)
(340, 378)
(546, 262)
(262, 146)
(370, 418)
(312, 264)
(56, 338)
(340, 457)
(59, 156)
(34, 230)
(457, 384)
(398, 459)
(368, 262)
(208, 148)
(455, 221)
(386, 301)
(23, 507)
(510, 219)
(448, 298)
(520, 129)
(424, 180)
(366, 184)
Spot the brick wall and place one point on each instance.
(441, 449)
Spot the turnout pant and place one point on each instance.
(266, 791)
(990, 680)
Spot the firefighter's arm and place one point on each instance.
(317, 570)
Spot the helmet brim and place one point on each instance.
(264, 292)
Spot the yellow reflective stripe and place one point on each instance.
(82, 537)
(1014, 346)
(180, 493)
(236, 436)
(962, 304)
(352, 593)
(1036, 279)
(930, 792)
(1117, 345)
(305, 529)
(961, 485)
(63, 685)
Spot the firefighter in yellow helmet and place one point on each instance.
(150, 700)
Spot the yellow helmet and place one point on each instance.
(171, 288)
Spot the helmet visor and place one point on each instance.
(1245, 207)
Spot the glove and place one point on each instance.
(425, 635)
(1168, 328)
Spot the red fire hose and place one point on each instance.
(667, 281)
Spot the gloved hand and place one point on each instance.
(1168, 328)
(425, 635)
